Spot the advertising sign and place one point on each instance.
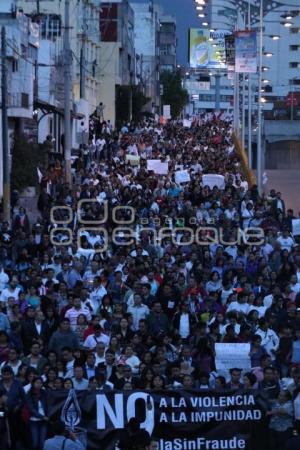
(207, 48)
(245, 52)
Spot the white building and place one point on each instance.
(281, 44)
(22, 42)
(85, 47)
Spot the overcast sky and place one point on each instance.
(186, 17)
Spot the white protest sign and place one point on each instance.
(182, 176)
(167, 111)
(158, 167)
(212, 180)
(187, 123)
(296, 227)
(231, 356)
(133, 160)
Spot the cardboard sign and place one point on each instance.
(158, 167)
(296, 227)
(187, 123)
(229, 356)
(167, 111)
(133, 160)
(212, 180)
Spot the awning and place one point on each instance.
(47, 108)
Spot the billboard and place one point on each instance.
(207, 48)
(245, 52)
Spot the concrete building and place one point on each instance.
(22, 42)
(167, 43)
(117, 54)
(146, 42)
(85, 47)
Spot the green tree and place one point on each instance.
(174, 94)
(25, 159)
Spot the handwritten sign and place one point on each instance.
(296, 227)
(158, 167)
(213, 180)
(133, 160)
(232, 356)
(187, 123)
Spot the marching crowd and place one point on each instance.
(108, 290)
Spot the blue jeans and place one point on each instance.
(38, 431)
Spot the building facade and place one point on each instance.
(146, 42)
(85, 47)
(117, 69)
(167, 43)
(22, 42)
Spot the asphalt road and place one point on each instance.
(288, 183)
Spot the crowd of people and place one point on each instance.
(107, 290)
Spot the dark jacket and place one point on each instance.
(15, 396)
(33, 404)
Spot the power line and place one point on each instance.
(28, 60)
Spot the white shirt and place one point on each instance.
(295, 287)
(69, 369)
(99, 359)
(239, 307)
(6, 293)
(4, 279)
(260, 309)
(184, 326)
(38, 327)
(133, 361)
(270, 341)
(138, 313)
(297, 407)
(286, 243)
(237, 328)
(268, 300)
(92, 340)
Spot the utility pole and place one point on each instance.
(260, 129)
(249, 101)
(5, 148)
(67, 97)
(82, 52)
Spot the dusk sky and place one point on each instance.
(186, 17)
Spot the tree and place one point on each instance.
(25, 160)
(139, 100)
(174, 94)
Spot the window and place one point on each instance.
(295, 30)
(294, 65)
(295, 81)
(50, 26)
(294, 48)
(15, 65)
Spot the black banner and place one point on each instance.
(178, 420)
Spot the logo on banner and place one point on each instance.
(71, 412)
